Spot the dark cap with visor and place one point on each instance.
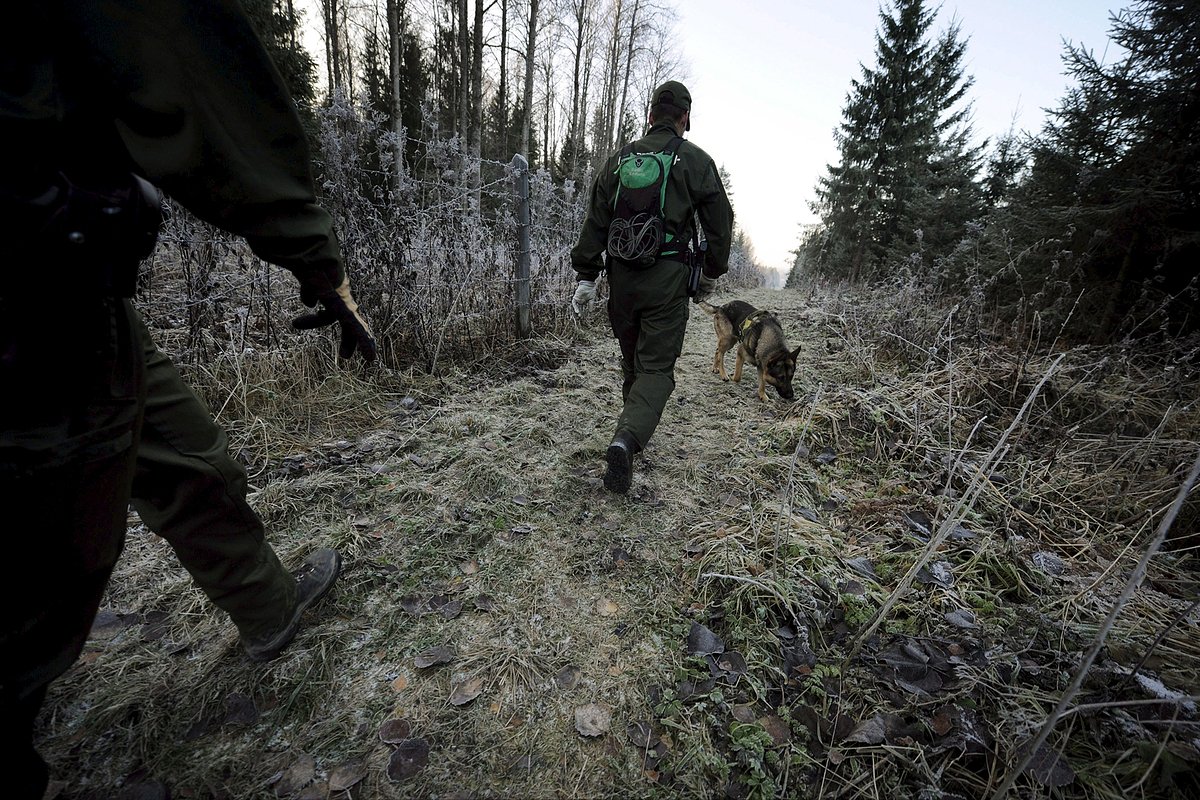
(674, 93)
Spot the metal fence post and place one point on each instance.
(521, 184)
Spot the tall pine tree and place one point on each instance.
(1109, 214)
(906, 180)
(278, 25)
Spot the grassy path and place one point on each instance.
(496, 598)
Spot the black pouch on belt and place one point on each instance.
(88, 240)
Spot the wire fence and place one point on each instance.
(434, 250)
(432, 253)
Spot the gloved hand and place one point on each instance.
(707, 286)
(338, 306)
(585, 293)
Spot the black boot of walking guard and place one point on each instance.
(314, 579)
(620, 463)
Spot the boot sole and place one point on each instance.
(617, 476)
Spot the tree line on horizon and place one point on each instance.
(563, 82)
(1090, 226)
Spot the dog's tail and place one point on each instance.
(707, 308)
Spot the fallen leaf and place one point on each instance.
(484, 602)
(593, 719)
(942, 723)
(729, 665)
(606, 607)
(345, 776)
(296, 776)
(466, 691)
(469, 567)
(240, 710)
(400, 684)
(1049, 768)
(702, 642)
(314, 791)
(640, 734)
(868, 731)
(777, 729)
(451, 610)
(568, 677)
(413, 605)
(743, 713)
(442, 654)
(408, 759)
(395, 730)
(961, 618)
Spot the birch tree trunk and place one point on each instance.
(637, 4)
(502, 102)
(394, 12)
(464, 72)
(475, 139)
(331, 17)
(612, 69)
(579, 9)
(530, 47)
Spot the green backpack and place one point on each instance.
(636, 235)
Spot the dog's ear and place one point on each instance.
(796, 353)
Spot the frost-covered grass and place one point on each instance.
(469, 507)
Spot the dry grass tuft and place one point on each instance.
(787, 530)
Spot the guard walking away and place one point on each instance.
(641, 228)
(102, 104)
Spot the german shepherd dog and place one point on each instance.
(759, 338)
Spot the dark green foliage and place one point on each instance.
(906, 182)
(1108, 218)
(278, 25)
(571, 161)
(414, 83)
(502, 137)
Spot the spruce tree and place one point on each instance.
(1110, 210)
(278, 25)
(906, 180)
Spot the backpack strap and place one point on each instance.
(672, 149)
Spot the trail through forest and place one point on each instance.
(505, 627)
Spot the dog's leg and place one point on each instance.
(718, 367)
(762, 383)
(719, 361)
(737, 366)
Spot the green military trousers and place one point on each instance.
(92, 417)
(71, 393)
(648, 311)
(188, 490)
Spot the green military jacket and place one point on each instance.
(693, 188)
(179, 91)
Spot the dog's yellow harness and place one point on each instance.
(749, 322)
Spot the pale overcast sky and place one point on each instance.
(769, 79)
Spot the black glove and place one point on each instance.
(338, 306)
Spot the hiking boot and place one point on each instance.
(620, 463)
(314, 579)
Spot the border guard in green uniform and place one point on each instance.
(641, 228)
(102, 104)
